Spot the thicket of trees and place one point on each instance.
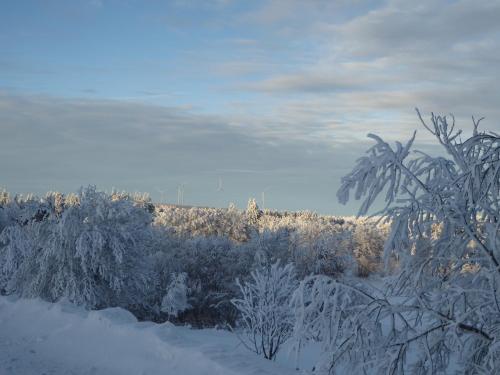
(165, 262)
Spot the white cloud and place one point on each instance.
(372, 69)
(53, 143)
(283, 78)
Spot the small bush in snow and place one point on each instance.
(265, 315)
(176, 299)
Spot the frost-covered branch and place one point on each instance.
(441, 307)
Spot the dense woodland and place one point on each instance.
(119, 249)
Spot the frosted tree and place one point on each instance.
(17, 245)
(269, 247)
(253, 212)
(4, 202)
(368, 247)
(56, 202)
(175, 300)
(440, 312)
(4, 197)
(265, 315)
(93, 252)
(339, 315)
(22, 222)
(237, 228)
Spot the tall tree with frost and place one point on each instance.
(16, 248)
(441, 312)
(253, 212)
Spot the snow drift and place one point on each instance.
(37, 337)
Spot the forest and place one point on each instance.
(120, 249)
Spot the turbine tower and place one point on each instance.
(263, 196)
(162, 193)
(180, 194)
(219, 186)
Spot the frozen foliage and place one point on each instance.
(211, 264)
(266, 318)
(337, 314)
(316, 244)
(17, 248)
(118, 249)
(175, 301)
(440, 312)
(207, 222)
(90, 252)
(253, 213)
(368, 249)
(216, 246)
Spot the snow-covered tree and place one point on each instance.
(93, 253)
(4, 201)
(368, 247)
(4, 196)
(175, 300)
(440, 312)
(265, 315)
(253, 212)
(17, 245)
(338, 314)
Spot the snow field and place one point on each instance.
(37, 337)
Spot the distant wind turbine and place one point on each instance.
(219, 186)
(162, 192)
(180, 194)
(263, 194)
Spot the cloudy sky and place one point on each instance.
(273, 95)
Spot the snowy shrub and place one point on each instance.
(265, 315)
(212, 265)
(440, 312)
(269, 247)
(175, 300)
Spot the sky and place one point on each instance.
(232, 98)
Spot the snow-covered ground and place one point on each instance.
(39, 338)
